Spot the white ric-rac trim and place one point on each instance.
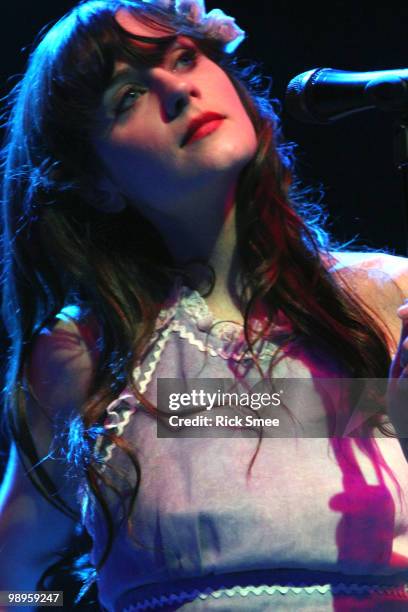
(194, 305)
(118, 420)
(323, 589)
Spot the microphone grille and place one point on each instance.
(296, 96)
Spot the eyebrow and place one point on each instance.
(131, 72)
(122, 75)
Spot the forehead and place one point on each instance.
(134, 25)
(124, 67)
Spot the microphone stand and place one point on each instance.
(390, 94)
(385, 90)
(401, 162)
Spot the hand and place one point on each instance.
(397, 390)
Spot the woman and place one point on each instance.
(143, 171)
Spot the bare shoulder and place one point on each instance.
(381, 270)
(63, 359)
(380, 280)
(384, 264)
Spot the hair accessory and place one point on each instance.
(215, 24)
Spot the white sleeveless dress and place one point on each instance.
(316, 523)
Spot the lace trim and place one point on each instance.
(194, 305)
(118, 419)
(197, 308)
(206, 347)
(335, 589)
(191, 303)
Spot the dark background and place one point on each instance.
(353, 158)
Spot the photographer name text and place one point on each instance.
(202, 420)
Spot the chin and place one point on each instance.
(231, 156)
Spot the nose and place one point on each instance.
(175, 91)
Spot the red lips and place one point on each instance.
(193, 131)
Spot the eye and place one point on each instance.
(127, 98)
(187, 58)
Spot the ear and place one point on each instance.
(106, 197)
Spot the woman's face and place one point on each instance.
(171, 131)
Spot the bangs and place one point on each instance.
(88, 55)
(97, 41)
(72, 67)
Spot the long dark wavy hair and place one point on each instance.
(59, 250)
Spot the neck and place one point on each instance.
(206, 232)
(223, 299)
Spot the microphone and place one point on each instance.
(323, 95)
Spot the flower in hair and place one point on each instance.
(215, 24)
(218, 25)
(192, 10)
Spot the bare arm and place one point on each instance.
(382, 282)
(32, 531)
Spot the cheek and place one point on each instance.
(246, 131)
(128, 157)
(140, 173)
(246, 139)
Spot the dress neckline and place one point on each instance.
(191, 303)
